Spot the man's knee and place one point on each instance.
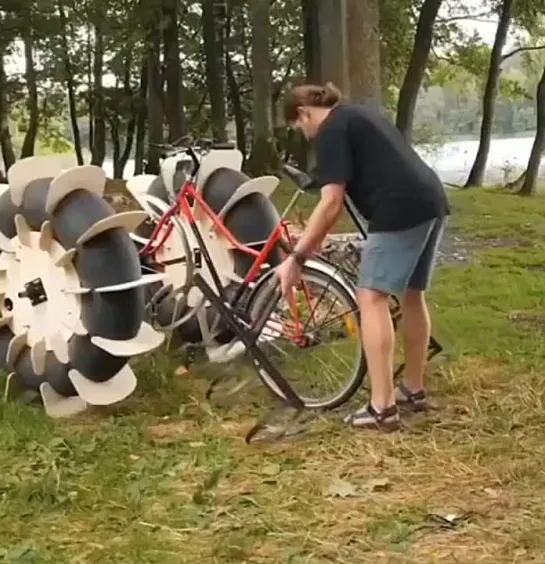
(413, 298)
(368, 297)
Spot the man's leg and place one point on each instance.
(416, 328)
(378, 345)
(388, 261)
(416, 325)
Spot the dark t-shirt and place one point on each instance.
(390, 185)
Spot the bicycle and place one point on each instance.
(249, 312)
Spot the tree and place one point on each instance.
(6, 146)
(332, 33)
(476, 175)
(264, 157)
(233, 90)
(174, 101)
(213, 20)
(363, 49)
(416, 68)
(97, 17)
(530, 178)
(155, 110)
(29, 141)
(69, 79)
(311, 41)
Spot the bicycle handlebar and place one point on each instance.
(187, 142)
(188, 145)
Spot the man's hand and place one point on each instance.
(320, 222)
(289, 274)
(322, 219)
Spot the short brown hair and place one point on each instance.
(325, 96)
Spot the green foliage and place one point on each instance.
(449, 103)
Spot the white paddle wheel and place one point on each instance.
(72, 299)
(244, 207)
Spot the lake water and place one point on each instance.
(452, 161)
(507, 158)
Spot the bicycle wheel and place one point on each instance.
(313, 337)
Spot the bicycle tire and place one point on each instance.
(343, 288)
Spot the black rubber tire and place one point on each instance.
(221, 185)
(240, 220)
(261, 292)
(108, 259)
(158, 189)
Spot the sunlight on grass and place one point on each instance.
(166, 478)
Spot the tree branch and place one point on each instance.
(287, 73)
(461, 17)
(521, 50)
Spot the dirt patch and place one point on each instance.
(453, 250)
(169, 431)
(338, 248)
(528, 319)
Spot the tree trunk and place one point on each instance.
(236, 102)
(214, 59)
(264, 156)
(363, 50)
(516, 185)
(99, 109)
(139, 149)
(530, 179)
(155, 112)
(311, 41)
(126, 112)
(233, 89)
(174, 102)
(476, 175)
(408, 94)
(69, 78)
(6, 146)
(129, 141)
(333, 42)
(29, 142)
(90, 100)
(116, 147)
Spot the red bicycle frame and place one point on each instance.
(189, 190)
(280, 235)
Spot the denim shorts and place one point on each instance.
(394, 261)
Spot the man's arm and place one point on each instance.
(322, 219)
(334, 171)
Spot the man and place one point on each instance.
(360, 153)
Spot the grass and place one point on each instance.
(166, 478)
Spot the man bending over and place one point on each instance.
(360, 153)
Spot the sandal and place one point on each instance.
(369, 418)
(411, 401)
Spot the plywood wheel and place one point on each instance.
(71, 287)
(244, 206)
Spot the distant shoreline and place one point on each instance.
(466, 138)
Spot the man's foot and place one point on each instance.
(369, 418)
(411, 401)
